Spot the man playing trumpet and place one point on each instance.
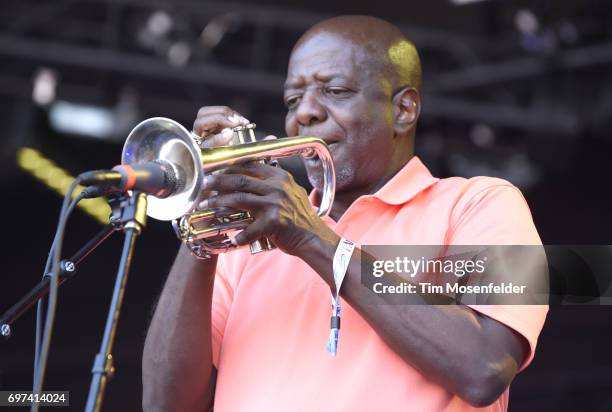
(244, 332)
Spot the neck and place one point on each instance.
(344, 199)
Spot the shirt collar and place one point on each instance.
(412, 179)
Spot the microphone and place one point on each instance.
(158, 178)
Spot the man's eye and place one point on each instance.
(337, 91)
(292, 101)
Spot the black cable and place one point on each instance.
(53, 260)
(40, 305)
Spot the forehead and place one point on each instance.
(327, 56)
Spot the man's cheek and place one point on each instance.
(291, 125)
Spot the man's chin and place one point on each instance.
(316, 181)
(315, 176)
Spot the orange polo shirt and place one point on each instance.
(270, 313)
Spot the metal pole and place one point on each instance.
(103, 369)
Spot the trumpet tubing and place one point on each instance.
(208, 232)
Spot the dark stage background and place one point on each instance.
(519, 90)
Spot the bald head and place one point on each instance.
(389, 51)
(354, 81)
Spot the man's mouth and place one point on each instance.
(329, 137)
(315, 158)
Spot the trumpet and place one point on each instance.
(208, 232)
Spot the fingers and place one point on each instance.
(213, 123)
(221, 139)
(236, 183)
(205, 194)
(251, 233)
(255, 169)
(236, 200)
(211, 120)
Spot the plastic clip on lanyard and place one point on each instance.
(342, 257)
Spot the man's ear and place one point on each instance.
(406, 109)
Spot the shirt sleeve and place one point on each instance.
(494, 212)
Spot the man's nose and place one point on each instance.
(310, 111)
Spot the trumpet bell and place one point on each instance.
(160, 138)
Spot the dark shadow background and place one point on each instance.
(518, 90)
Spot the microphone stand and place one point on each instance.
(68, 269)
(132, 220)
(129, 215)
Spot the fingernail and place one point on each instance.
(244, 120)
(227, 133)
(233, 241)
(271, 137)
(203, 204)
(234, 118)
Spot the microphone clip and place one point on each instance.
(128, 210)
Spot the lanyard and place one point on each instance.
(342, 257)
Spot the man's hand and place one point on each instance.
(214, 124)
(279, 205)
